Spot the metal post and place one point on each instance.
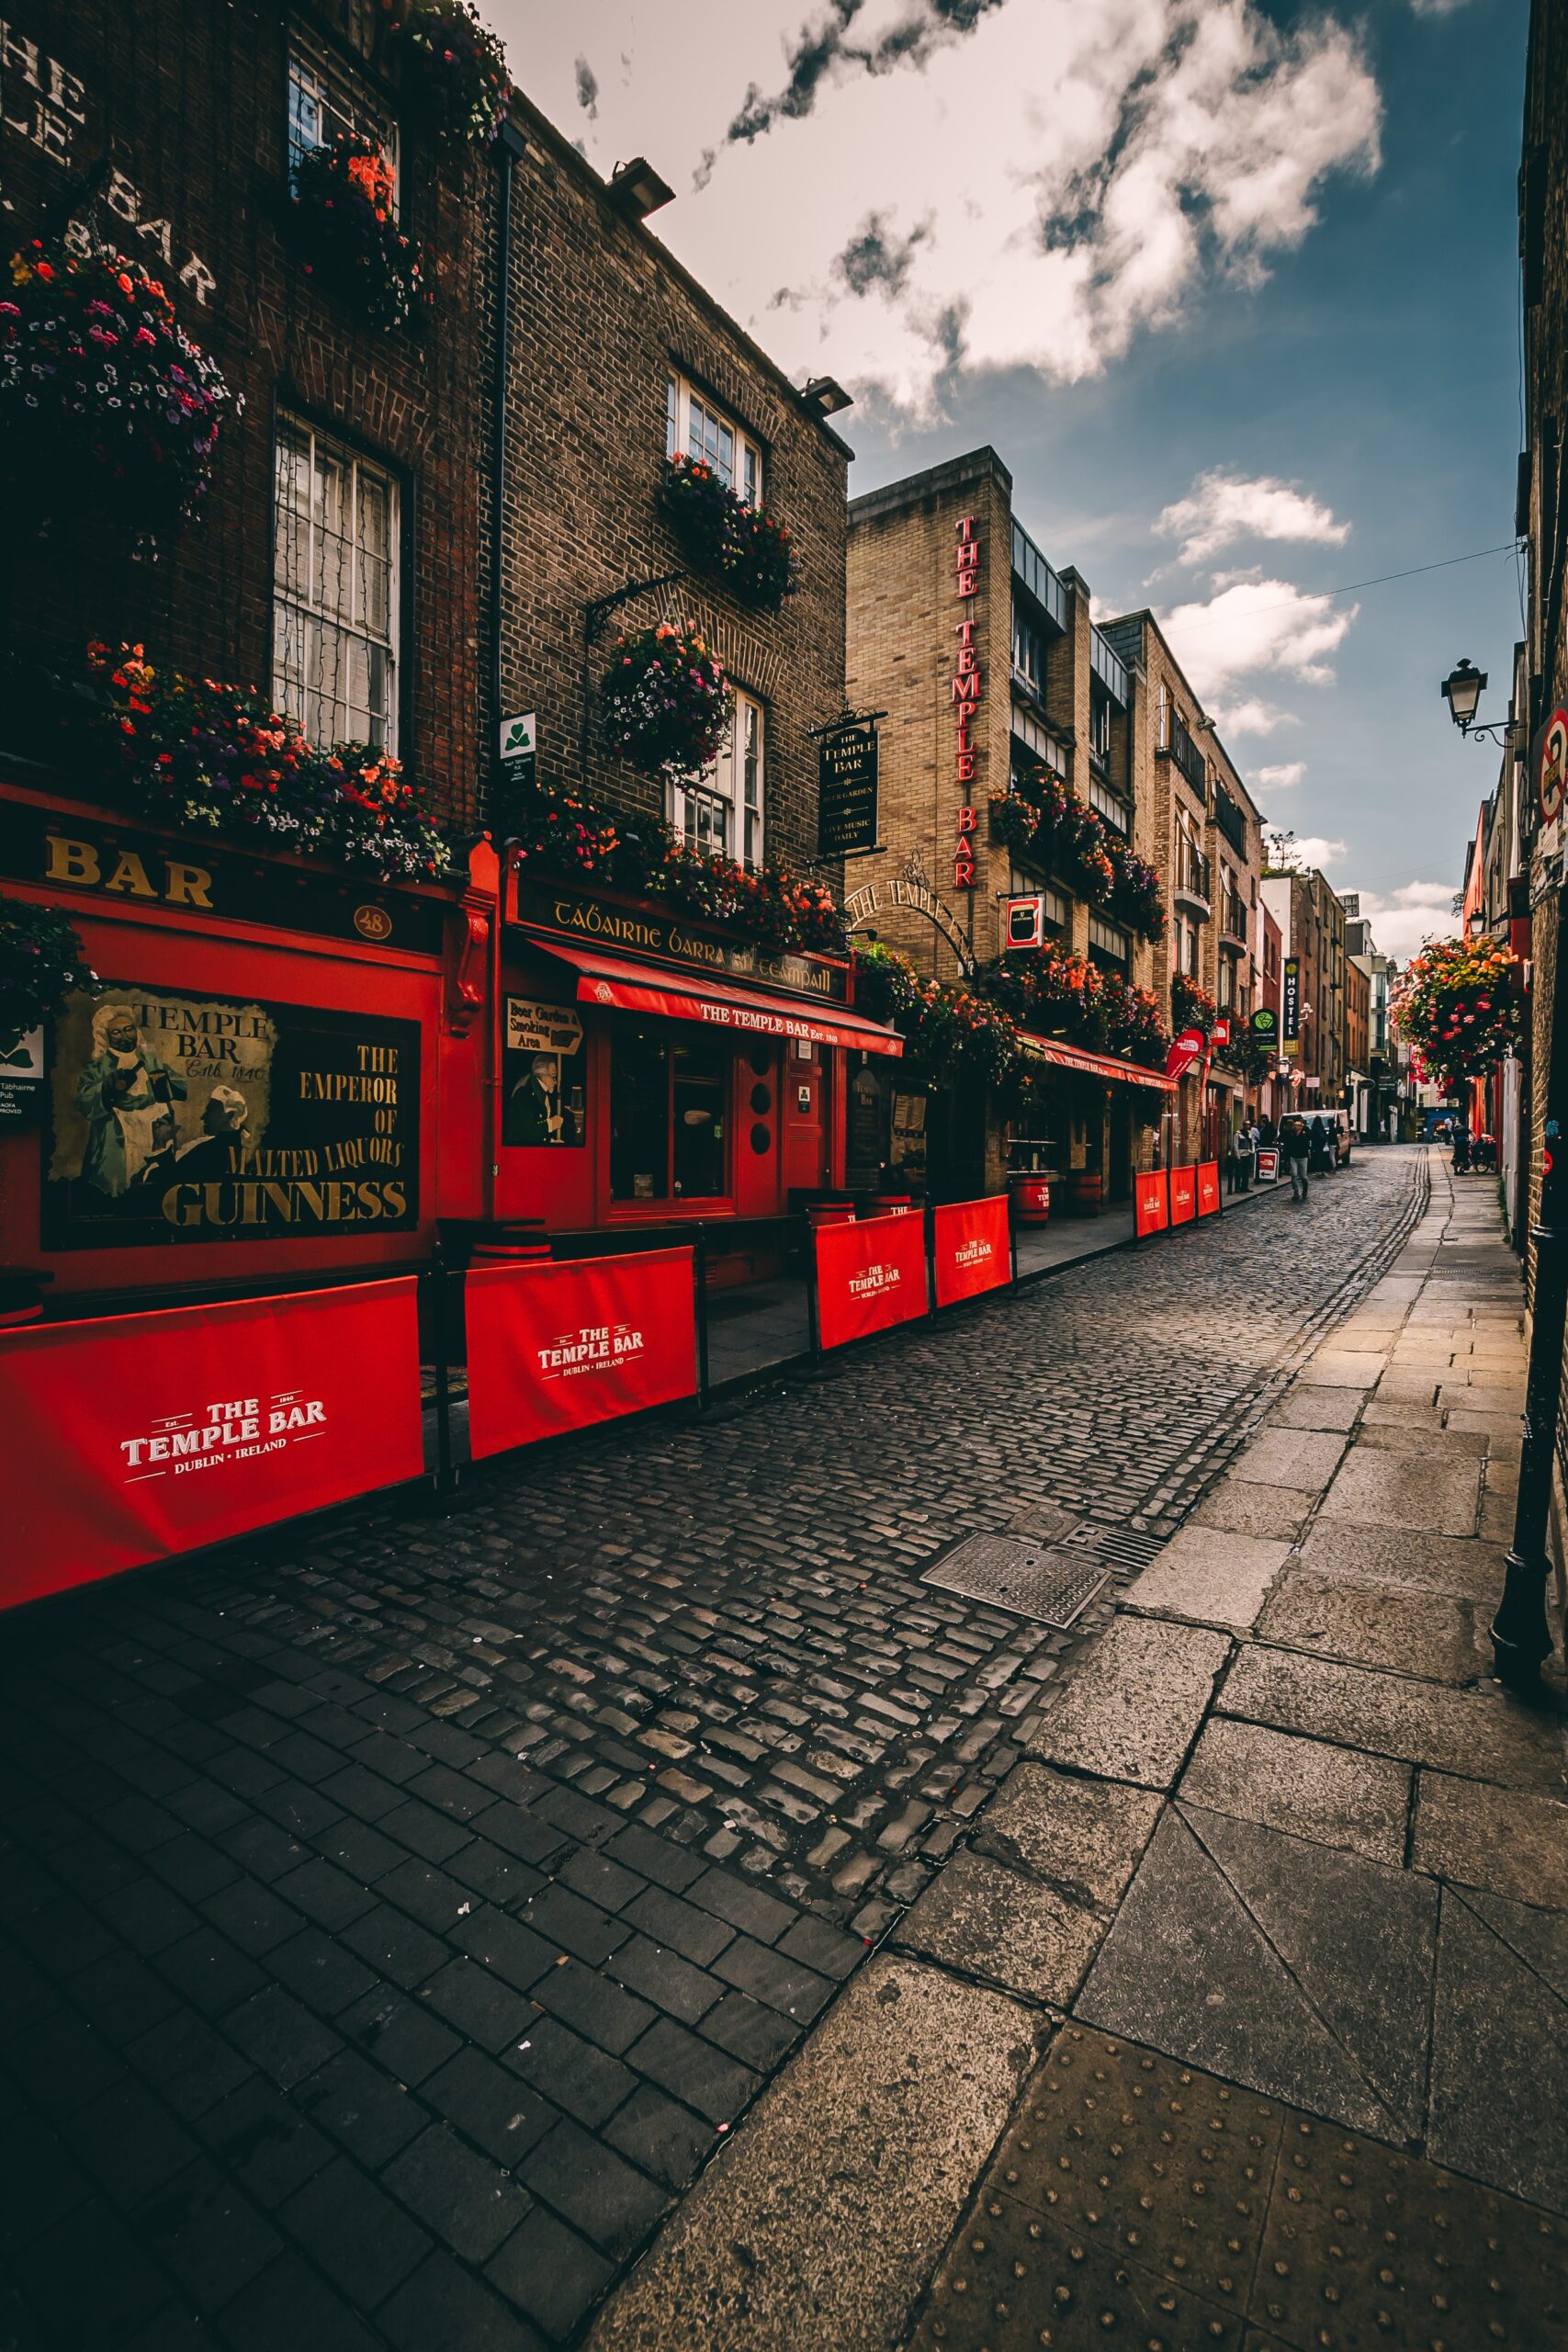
(700, 1278)
(1521, 1637)
(446, 1468)
(813, 1319)
(928, 1213)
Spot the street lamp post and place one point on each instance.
(1522, 1636)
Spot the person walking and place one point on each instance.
(1320, 1146)
(1243, 1146)
(1296, 1144)
(1462, 1146)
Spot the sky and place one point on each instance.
(1230, 285)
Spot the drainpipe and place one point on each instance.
(510, 147)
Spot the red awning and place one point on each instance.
(1048, 1049)
(615, 981)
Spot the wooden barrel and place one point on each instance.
(1031, 1198)
(1086, 1191)
(890, 1204)
(831, 1212)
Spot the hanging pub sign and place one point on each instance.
(177, 1117)
(846, 767)
(1025, 920)
(1291, 999)
(1264, 1024)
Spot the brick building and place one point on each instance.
(617, 365)
(1312, 930)
(989, 668)
(1208, 840)
(332, 570)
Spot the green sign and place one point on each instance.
(517, 746)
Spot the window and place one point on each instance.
(1187, 947)
(720, 812)
(1027, 646)
(334, 601)
(325, 98)
(669, 1117)
(1032, 742)
(1057, 909)
(1098, 723)
(693, 426)
(1108, 945)
(1227, 982)
(1102, 799)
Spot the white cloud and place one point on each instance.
(1306, 849)
(1222, 509)
(1280, 778)
(1256, 624)
(1403, 919)
(1250, 715)
(1098, 165)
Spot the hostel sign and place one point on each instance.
(1291, 1003)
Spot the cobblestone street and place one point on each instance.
(397, 1912)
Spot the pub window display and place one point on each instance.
(546, 1102)
(668, 1119)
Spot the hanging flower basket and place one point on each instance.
(665, 703)
(106, 404)
(745, 546)
(1461, 1007)
(40, 962)
(1192, 1007)
(454, 67)
(348, 234)
(201, 757)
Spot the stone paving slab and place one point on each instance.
(1081, 1836)
(1471, 1732)
(1539, 1937)
(1376, 1489)
(1343, 1368)
(1365, 1625)
(982, 1919)
(1306, 1787)
(1133, 1707)
(1315, 1408)
(1186, 1968)
(1209, 1576)
(1505, 1840)
(1499, 2090)
(1465, 1569)
(875, 2130)
(1242, 1509)
(1303, 1458)
(1441, 1442)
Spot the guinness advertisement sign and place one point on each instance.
(635, 930)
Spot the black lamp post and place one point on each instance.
(1522, 1636)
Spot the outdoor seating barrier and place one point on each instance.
(1183, 1195)
(866, 1277)
(971, 1248)
(1208, 1188)
(131, 1438)
(1151, 1202)
(567, 1342)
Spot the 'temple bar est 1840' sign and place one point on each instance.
(847, 780)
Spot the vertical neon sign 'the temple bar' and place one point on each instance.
(966, 698)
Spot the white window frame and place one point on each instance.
(324, 97)
(721, 811)
(695, 427)
(306, 623)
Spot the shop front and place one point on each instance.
(246, 1092)
(1089, 1124)
(652, 1071)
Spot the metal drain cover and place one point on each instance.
(1128, 1547)
(1038, 1580)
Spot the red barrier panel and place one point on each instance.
(1208, 1188)
(971, 1248)
(1183, 1195)
(560, 1346)
(870, 1276)
(1151, 1204)
(138, 1436)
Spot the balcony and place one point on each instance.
(1179, 746)
(1038, 578)
(1230, 819)
(1233, 921)
(1192, 885)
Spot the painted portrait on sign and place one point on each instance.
(546, 1102)
(178, 1117)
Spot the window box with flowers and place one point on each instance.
(203, 757)
(347, 232)
(744, 545)
(108, 409)
(453, 66)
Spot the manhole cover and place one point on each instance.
(1037, 1581)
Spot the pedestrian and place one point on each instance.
(1266, 1133)
(1319, 1145)
(1243, 1148)
(1462, 1146)
(1296, 1146)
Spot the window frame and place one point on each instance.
(398, 550)
(364, 111)
(748, 473)
(668, 1044)
(744, 794)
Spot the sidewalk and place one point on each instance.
(1257, 1965)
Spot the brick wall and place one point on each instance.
(163, 125)
(600, 314)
